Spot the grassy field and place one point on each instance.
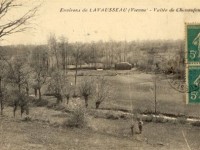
(135, 90)
(47, 131)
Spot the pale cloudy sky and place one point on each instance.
(89, 26)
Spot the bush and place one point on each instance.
(182, 120)
(159, 119)
(197, 123)
(59, 107)
(80, 74)
(78, 118)
(40, 103)
(112, 116)
(123, 66)
(27, 118)
(148, 118)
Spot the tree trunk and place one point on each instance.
(47, 64)
(97, 104)
(76, 72)
(22, 111)
(14, 110)
(27, 90)
(155, 96)
(40, 95)
(14, 113)
(76, 77)
(86, 102)
(19, 88)
(1, 97)
(35, 90)
(1, 105)
(56, 55)
(63, 61)
(67, 99)
(59, 98)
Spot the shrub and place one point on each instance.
(196, 123)
(40, 103)
(182, 120)
(78, 118)
(86, 89)
(148, 118)
(21, 101)
(27, 118)
(80, 74)
(123, 66)
(112, 116)
(59, 107)
(160, 119)
(103, 91)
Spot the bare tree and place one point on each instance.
(53, 49)
(21, 100)
(103, 91)
(86, 89)
(40, 69)
(18, 73)
(40, 78)
(57, 84)
(63, 51)
(3, 89)
(17, 24)
(78, 54)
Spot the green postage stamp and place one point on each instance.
(193, 84)
(192, 47)
(193, 43)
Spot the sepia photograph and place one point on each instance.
(99, 75)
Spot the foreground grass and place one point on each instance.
(46, 132)
(18, 135)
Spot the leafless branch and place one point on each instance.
(17, 25)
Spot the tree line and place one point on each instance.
(59, 53)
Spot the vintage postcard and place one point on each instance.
(99, 75)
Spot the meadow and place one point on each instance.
(46, 132)
(133, 92)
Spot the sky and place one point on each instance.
(105, 26)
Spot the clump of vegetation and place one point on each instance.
(123, 66)
(39, 70)
(27, 118)
(3, 98)
(21, 101)
(103, 91)
(78, 118)
(148, 118)
(159, 119)
(57, 85)
(40, 103)
(196, 123)
(86, 89)
(59, 107)
(112, 116)
(182, 120)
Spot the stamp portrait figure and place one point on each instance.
(196, 42)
